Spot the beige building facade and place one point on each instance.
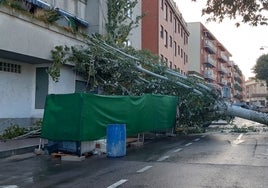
(256, 92)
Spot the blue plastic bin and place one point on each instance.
(116, 140)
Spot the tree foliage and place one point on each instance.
(245, 11)
(120, 20)
(261, 68)
(106, 63)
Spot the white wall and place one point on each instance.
(16, 92)
(194, 46)
(31, 37)
(135, 35)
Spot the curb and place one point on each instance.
(18, 151)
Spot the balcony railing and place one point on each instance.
(230, 63)
(222, 57)
(209, 74)
(210, 47)
(222, 69)
(222, 81)
(236, 75)
(210, 61)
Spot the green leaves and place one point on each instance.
(261, 68)
(107, 63)
(247, 11)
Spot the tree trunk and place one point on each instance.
(247, 114)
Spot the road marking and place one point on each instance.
(163, 158)
(177, 150)
(197, 139)
(240, 136)
(120, 182)
(238, 140)
(190, 143)
(203, 136)
(144, 169)
(9, 186)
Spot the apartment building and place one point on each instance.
(165, 33)
(256, 92)
(210, 60)
(29, 31)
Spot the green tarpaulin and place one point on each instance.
(83, 117)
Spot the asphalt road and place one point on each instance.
(210, 160)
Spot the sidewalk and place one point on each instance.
(17, 147)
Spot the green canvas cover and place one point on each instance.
(84, 117)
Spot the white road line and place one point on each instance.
(197, 139)
(9, 186)
(163, 158)
(120, 182)
(238, 140)
(144, 169)
(177, 150)
(240, 136)
(190, 143)
(203, 136)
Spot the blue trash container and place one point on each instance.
(116, 140)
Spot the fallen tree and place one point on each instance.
(127, 71)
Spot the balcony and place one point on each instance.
(230, 63)
(31, 40)
(222, 82)
(222, 57)
(209, 46)
(222, 69)
(209, 74)
(209, 61)
(236, 75)
(230, 84)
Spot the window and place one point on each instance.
(184, 57)
(181, 32)
(81, 87)
(170, 65)
(170, 15)
(41, 87)
(129, 12)
(166, 37)
(179, 27)
(179, 50)
(175, 67)
(175, 48)
(162, 57)
(170, 41)
(181, 53)
(166, 12)
(175, 25)
(10, 67)
(128, 43)
(162, 4)
(166, 60)
(162, 31)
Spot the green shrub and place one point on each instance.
(13, 131)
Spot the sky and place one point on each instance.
(242, 42)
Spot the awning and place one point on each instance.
(40, 3)
(69, 15)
